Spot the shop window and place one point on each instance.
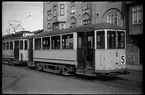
(100, 39)
(37, 43)
(67, 41)
(55, 42)
(46, 42)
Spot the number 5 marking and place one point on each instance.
(123, 59)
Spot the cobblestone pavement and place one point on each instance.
(22, 80)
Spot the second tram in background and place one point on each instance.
(88, 50)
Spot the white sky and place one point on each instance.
(20, 11)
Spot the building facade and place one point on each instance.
(61, 15)
(134, 28)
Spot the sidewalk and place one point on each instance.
(135, 73)
(135, 68)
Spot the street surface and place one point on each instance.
(22, 80)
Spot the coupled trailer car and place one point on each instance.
(88, 50)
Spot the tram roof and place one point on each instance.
(17, 35)
(85, 28)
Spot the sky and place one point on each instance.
(29, 13)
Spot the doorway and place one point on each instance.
(85, 53)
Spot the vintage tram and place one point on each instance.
(15, 48)
(88, 50)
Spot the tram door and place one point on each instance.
(16, 50)
(85, 53)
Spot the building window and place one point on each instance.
(26, 44)
(55, 26)
(48, 26)
(46, 43)
(86, 19)
(73, 22)
(112, 18)
(86, 5)
(72, 7)
(55, 42)
(11, 44)
(67, 41)
(38, 44)
(54, 11)
(137, 14)
(61, 9)
(21, 44)
(49, 15)
(62, 26)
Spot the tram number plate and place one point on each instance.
(122, 59)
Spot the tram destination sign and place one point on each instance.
(27, 34)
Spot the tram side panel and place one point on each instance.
(116, 60)
(55, 56)
(100, 61)
(8, 55)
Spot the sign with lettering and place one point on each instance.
(28, 34)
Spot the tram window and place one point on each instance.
(46, 43)
(21, 44)
(26, 44)
(111, 42)
(100, 40)
(55, 42)
(67, 41)
(121, 39)
(7, 45)
(38, 44)
(4, 46)
(11, 45)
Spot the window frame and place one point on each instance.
(7, 45)
(62, 9)
(25, 48)
(135, 14)
(54, 11)
(72, 47)
(72, 7)
(49, 43)
(100, 39)
(85, 5)
(40, 43)
(112, 19)
(11, 47)
(52, 48)
(4, 45)
(49, 15)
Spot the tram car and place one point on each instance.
(15, 48)
(88, 50)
